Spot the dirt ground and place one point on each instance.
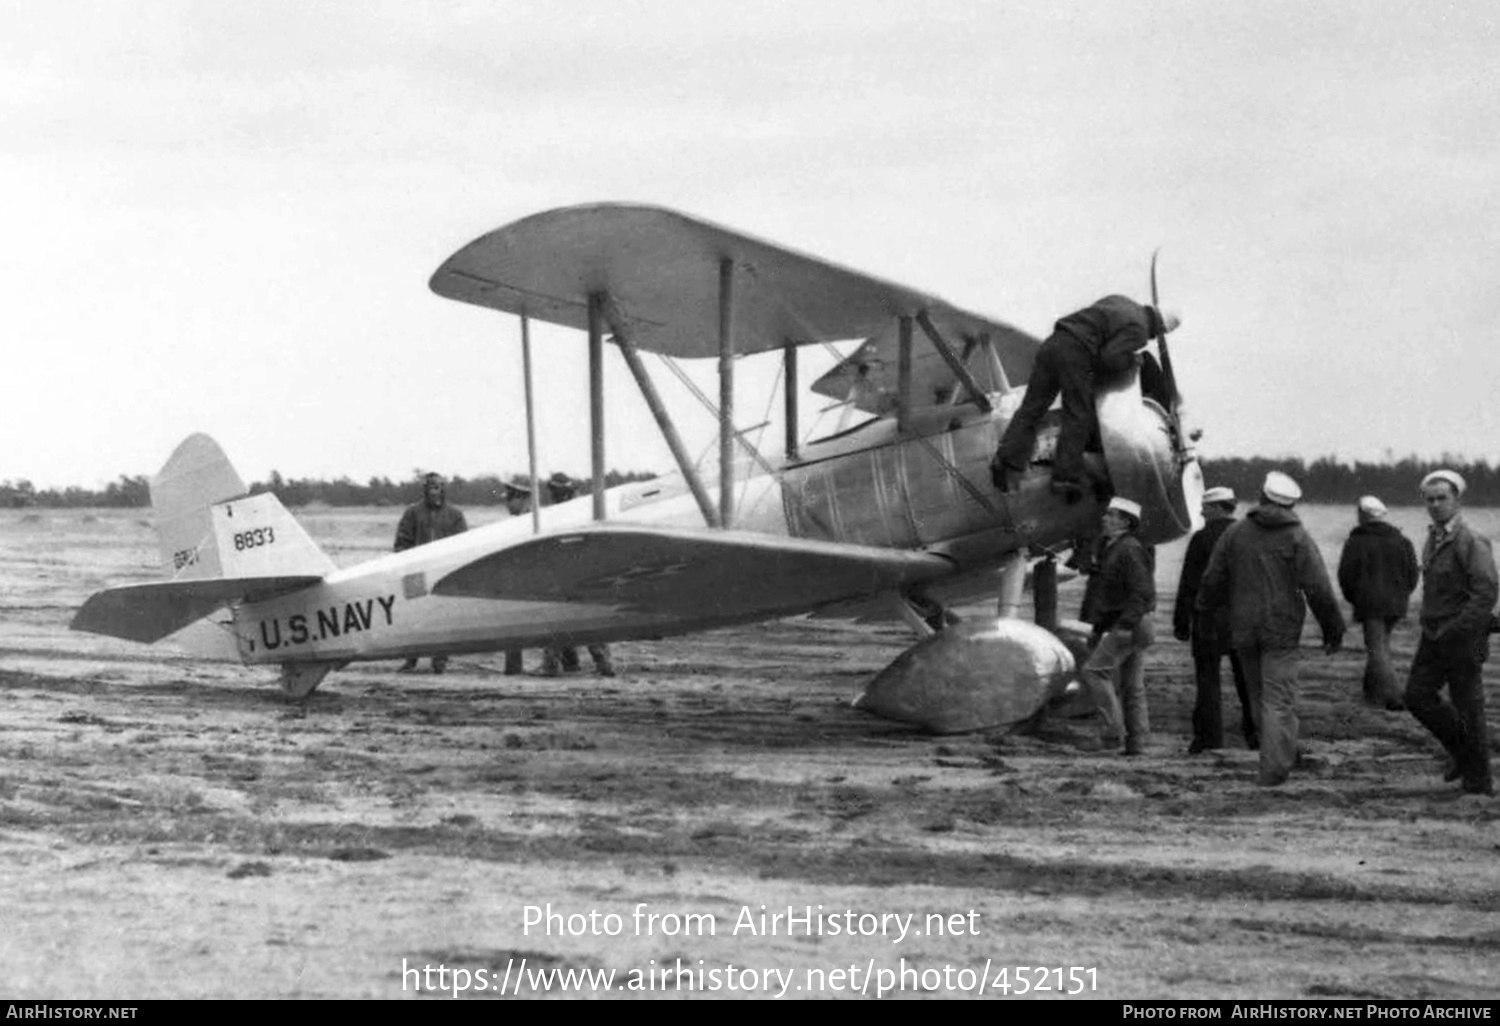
(170, 828)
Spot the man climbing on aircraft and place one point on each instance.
(424, 522)
(1097, 342)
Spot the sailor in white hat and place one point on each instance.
(1267, 570)
(1377, 574)
(1459, 589)
(1220, 496)
(1209, 632)
(1280, 489)
(1118, 601)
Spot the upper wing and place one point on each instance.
(150, 612)
(694, 574)
(662, 269)
(869, 376)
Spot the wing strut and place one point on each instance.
(976, 394)
(596, 398)
(903, 375)
(617, 325)
(536, 492)
(996, 367)
(789, 366)
(726, 392)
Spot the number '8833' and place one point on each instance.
(254, 538)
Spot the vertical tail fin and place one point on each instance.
(219, 546)
(208, 527)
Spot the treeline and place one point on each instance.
(1328, 480)
(1323, 480)
(127, 491)
(377, 491)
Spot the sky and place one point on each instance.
(222, 217)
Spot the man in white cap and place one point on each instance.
(1267, 570)
(1209, 632)
(1118, 601)
(1377, 574)
(1459, 587)
(1097, 342)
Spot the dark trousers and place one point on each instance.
(1458, 722)
(1271, 679)
(1063, 366)
(1379, 683)
(1208, 711)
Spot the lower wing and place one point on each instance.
(690, 573)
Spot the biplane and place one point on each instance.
(896, 512)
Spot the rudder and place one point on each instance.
(208, 527)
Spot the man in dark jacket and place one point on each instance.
(1261, 569)
(1118, 601)
(424, 522)
(1209, 632)
(1097, 342)
(1377, 574)
(1459, 587)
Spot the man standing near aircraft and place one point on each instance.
(1459, 587)
(424, 522)
(1377, 574)
(1267, 570)
(555, 661)
(1118, 601)
(1209, 632)
(1097, 342)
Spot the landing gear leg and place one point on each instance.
(1044, 593)
(924, 616)
(1012, 583)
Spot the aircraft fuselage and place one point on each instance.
(926, 489)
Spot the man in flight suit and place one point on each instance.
(424, 522)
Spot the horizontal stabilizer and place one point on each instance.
(150, 612)
(690, 572)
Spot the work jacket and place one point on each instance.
(1378, 571)
(1122, 590)
(422, 523)
(1112, 330)
(1261, 569)
(1458, 583)
(1210, 629)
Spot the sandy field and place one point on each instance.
(170, 828)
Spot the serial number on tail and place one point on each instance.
(254, 538)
